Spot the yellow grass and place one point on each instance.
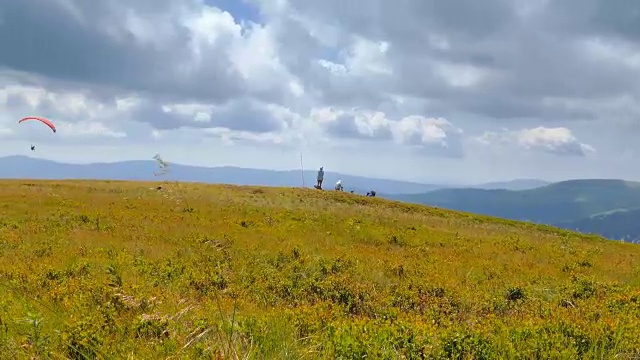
(122, 270)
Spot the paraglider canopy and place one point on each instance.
(41, 119)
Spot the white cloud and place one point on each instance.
(368, 57)
(411, 131)
(421, 130)
(557, 140)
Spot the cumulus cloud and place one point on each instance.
(162, 47)
(427, 76)
(558, 141)
(429, 134)
(501, 59)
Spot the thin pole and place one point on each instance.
(302, 170)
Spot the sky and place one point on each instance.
(438, 91)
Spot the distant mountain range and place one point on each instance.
(518, 184)
(619, 224)
(34, 168)
(606, 207)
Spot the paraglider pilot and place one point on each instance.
(33, 147)
(320, 177)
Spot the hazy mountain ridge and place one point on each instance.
(29, 167)
(621, 224)
(607, 207)
(26, 167)
(517, 184)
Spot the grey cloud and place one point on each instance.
(246, 115)
(87, 42)
(153, 114)
(238, 115)
(509, 106)
(454, 149)
(595, 17)
(527, 60)
(89, 48)
(345, 126)
(568, 149)
(70, 131)
(57, 106)
(533, 67)
(412, 20)
(16, 101)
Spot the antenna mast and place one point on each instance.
(302, 170)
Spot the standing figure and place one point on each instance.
(320, 178)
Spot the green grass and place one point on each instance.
(119, 270)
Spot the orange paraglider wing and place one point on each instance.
(41, 119)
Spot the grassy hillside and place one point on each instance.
(551, 204)
(122, 270)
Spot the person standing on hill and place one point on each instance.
(320, 178)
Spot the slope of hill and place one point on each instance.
(20, 167)
(557, 203)
(124, 270)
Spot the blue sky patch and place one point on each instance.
(242, 10)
